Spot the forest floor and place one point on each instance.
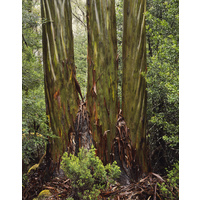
(60, 188)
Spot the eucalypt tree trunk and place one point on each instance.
(61, 86)
(134, 84)
(102, 74)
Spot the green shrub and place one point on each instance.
(170, 189)
(88, 174)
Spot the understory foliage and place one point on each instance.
(33, 103)
(33, 98)
(33, 148)
(170, 189)
(162, 21)
(88, 174)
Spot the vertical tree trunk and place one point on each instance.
(60, 82)
(134, 84)
(102, 74)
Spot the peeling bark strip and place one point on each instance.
(124, 152)
(82, 137)
(60, 79)
(134, 84)
(102, 74)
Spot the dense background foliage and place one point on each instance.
(33, 99)
(80, 42)
(162, 31)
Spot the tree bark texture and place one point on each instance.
(60, 78)
(102, 74)
(134, 84)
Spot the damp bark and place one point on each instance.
(61, 93)
(102, 74)
(134, 84)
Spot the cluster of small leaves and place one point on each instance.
(162, 20)
(88, 174)
(170, 189)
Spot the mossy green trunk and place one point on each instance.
(134, 84)
(59, 69)
(102, 74)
